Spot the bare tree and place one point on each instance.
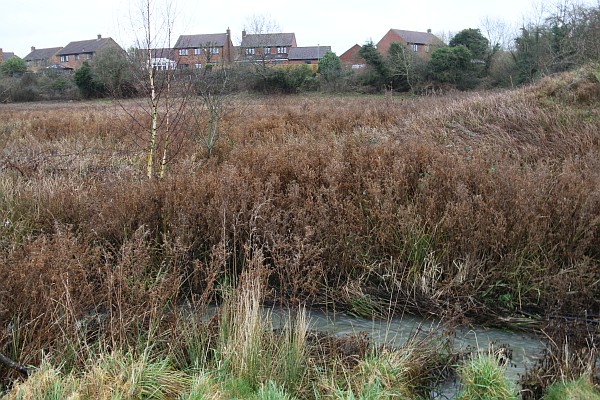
(263, 30)
(262, 44)
(215, 89)
(500, 33)
(403, 63)
(164, 109)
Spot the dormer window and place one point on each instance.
(281, 50)
(64, 58)
(250, 51)
(183, 52)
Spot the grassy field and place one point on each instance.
(477, 207)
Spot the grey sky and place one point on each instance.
(336, 23)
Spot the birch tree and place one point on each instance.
(160, 106)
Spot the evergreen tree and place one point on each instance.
(378, 74)
(88, 86)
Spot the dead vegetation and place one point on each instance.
(476, 206)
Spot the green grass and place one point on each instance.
(483, 379)
(580, 389)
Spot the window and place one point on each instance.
(267, 50)
(415, 47)
(281, 50)
(197, 66)
(64, 58)
(197, 52)
(88, 56)
(77, 57)
(426, 48)
(183, 66)
(214, 50)
(250, 51)
(183, 52)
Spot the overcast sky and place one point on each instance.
(336, 23)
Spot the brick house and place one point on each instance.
(5, 55)
(307, 55)
(41, 58)
(352, 59)
(420, 42)
(75, 53)
(266, 48)
(196, 51)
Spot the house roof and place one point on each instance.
(162, 53)
(416, 37)
(352, 55)
(199, 41)
(42, 54)
(85, 46)
(307, 53)
(268, 40)
(7, 55)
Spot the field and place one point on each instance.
(475, 207)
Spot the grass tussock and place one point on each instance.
(482, 378)
(476, 206)
(580, 389)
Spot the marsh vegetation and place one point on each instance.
(475, 207)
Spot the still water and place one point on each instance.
(526, 348)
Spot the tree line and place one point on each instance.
(567, 37)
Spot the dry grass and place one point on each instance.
(482, 204)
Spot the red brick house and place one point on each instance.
(266, 48)
(75, 53)
(5, 55)
(420, 42)
(41, 58)
(196, 51)
(352, 59)
(307, 55)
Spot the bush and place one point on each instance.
(291, 79)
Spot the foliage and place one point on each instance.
(330, 69)
(292, 79)
(113, 71)
(564, 39)
(452, 65)
(473, 40)
(87, 83)
(377, 74)
(14, 66)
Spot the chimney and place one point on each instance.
(244, 33)
(1, 55)
(228, 32)
(32, 49)
(99, 36)
(428, 30)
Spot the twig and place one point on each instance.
(11, 364)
